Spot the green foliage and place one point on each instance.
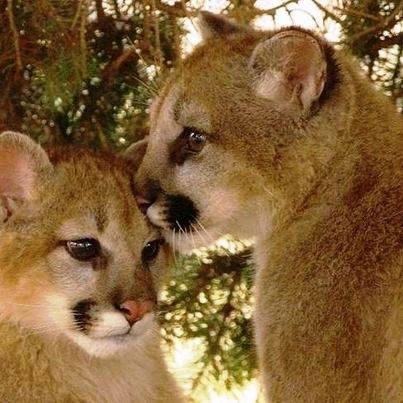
(373, 32)
(87, 72)
(209, 298)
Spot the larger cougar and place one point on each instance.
(277, 135)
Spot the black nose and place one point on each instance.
(181, 212)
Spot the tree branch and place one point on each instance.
(327, 12)
(116, 8)
(83, 42)
(77, 14)
(387, 42)
(100, 10)
(357, 13)
(376, 28)
(16, 37)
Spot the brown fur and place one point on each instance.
(319, 186)
(73, 193)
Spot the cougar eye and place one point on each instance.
(150, 250)
(83, 249)
(196, 140)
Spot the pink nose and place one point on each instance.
(135, 310)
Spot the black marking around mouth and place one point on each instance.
(181, 212)
(81, 314)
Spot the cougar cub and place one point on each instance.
(79, 275)
(277, 135)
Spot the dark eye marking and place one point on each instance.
(190, 142)
(83, 250)
(151, 250)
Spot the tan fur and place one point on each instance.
(74, 195)
(320, 189)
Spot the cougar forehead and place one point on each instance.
(172, 111)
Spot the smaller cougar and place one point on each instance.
(79, 274)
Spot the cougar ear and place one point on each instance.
(22, 161)
(214, 25)
(291, 70)
(135, 153)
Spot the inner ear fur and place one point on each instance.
(290, 69)
(22, 161)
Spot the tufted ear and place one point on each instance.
(290, 69)
(22, 161)
(136, 152)
(214, 25)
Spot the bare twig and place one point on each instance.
(117, 9)
(309, 14)
(395, 76)
(83, 43)
(358, 13)
(376, 28)
(77, 14)
(177, 9)
(327, 12)
(271, 11)
(100, 9)
(387, 42)
(114, 66)
(14, 30)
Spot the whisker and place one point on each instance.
(148, 87)
(48, 329)
(212, 240)
(267, 190)
(174, 247)
(193, 239)
(180, 228)
(53, 307)
(206, 242)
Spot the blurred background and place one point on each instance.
(84, 72)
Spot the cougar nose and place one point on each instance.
(144, 203)
(135, 310)
(147, 194)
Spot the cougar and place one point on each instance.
(278, 136)
(79, 274)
